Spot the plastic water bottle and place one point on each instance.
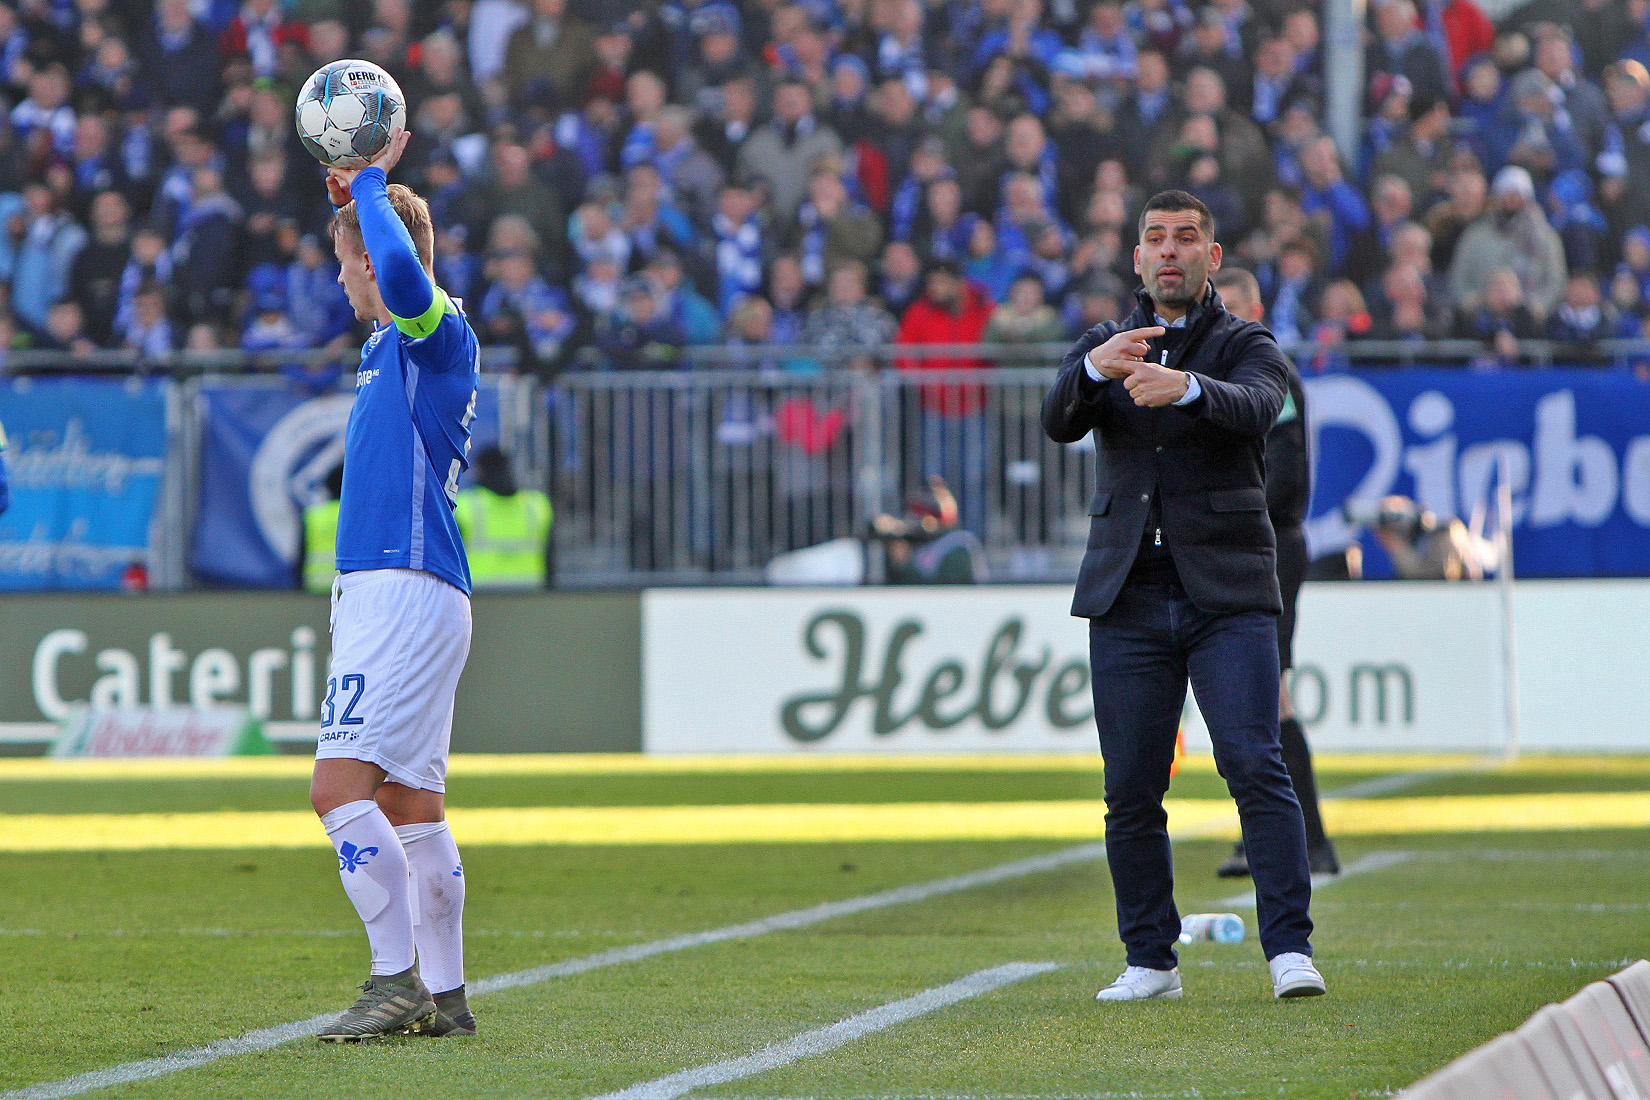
(1218, 927)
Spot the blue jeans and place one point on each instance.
(1142, 652)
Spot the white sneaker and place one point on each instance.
(1139, 983)
(1293, 975)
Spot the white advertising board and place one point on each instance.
(865, 670)
(1380, 667)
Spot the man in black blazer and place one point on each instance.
(1180, 582)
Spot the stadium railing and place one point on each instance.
(703, 475)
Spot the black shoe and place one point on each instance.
(1236, 865)
(1320, 859)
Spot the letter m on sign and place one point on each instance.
(1380, 676)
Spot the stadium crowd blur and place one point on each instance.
(614, 182)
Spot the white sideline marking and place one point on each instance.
(1386, 784)
(825, 1039)
(1363, 865)
(268, 1038)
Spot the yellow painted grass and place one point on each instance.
(488, 764)
(793, 823)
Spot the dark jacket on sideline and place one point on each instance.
(1206, 462)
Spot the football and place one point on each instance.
(348, 112)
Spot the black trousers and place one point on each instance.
(1142, 652)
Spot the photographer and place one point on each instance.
(927, 546)
(1422, 547)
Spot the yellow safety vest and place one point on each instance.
(504, 537)
(320, 546)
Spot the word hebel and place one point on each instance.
(1003, 686)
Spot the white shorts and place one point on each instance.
(399, 640)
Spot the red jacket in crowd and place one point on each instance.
(926, 322)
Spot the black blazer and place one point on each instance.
(1205, 461)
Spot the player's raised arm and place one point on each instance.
(408, 291)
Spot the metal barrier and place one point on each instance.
(704, 476)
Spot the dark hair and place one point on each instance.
(1178, 200)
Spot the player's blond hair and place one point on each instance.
(414, 213)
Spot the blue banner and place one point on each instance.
(86, 460)
(265, 456)
(1576, 441)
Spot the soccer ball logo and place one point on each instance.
(348, 111)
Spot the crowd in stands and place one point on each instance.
(613, 182)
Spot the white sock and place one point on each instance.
(373, 868)
(438, 886)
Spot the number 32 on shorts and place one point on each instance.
(350, 687)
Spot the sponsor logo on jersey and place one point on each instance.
(366, 375)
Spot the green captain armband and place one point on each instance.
(424, 324)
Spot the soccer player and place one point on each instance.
(400, 613)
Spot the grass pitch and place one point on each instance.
(113, 955)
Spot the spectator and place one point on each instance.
(1401, 50)
(513, 189)
(848, 324)
(1024, 319)
(1146, 107)
(1106, 49)
(830, 228)
(688, 171)
(204, 253)
(900, 277)
(50, 240)
(1408, 312)
(740, 245)
(940, 229)
(1499, 317)
(1420, 154)
(675, 298)
(1585, 316)
(1277, 84)
(723, 133)
(784, 150)
(321, 312)
(640, 334)
(788, 294)
(1459, 31)
(1578, 97)
(950, 311)
(1513, 235)
(1535, 134)
(257, 33)
(1578, 223)
(45, 121)
(1336, 204)
(65, 330)
(650, 219)
(520, 308)
(94, 281)
(548, 58)
(645, 97)
(180, 58)
(1294, 298)
(148, 332)
(981, 164)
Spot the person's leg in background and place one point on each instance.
(1297, 757)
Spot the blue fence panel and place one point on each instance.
(1577, 440)
(265, 456)
(87, 459)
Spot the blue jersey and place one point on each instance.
(408, 438)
